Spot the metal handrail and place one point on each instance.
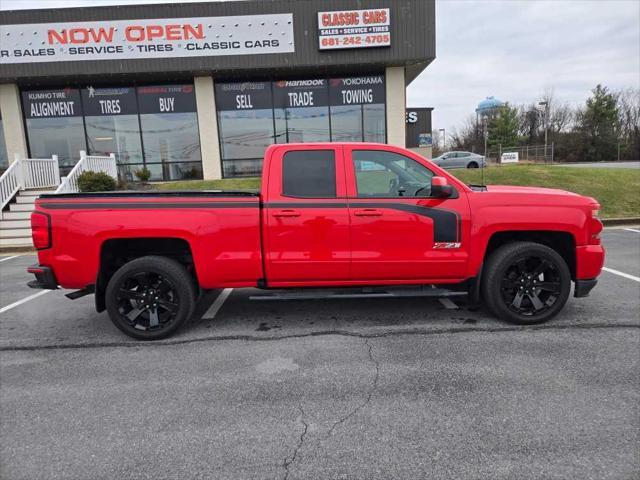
(26, 173)
(88, 163)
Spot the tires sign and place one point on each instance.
(354, 29)
(147, 38)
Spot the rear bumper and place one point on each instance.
(583, 287)
(45, 279)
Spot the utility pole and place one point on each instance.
(444, 138)
(546, 126)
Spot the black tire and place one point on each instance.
(150, 297)
(472, 165)
(525, 283)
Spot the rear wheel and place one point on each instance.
(472, 165)
(526, 283)
(150, 297)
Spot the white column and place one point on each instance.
(396, 106)
(12, 124)
(208, 126)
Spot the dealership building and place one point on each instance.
(199, 90)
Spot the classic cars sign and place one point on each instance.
(149, 38)
(354, 29)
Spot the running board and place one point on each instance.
(324, 295)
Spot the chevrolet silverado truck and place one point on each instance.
(328, 215)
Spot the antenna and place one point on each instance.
(484, 160)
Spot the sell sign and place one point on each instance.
(354, 29)
(148, 38)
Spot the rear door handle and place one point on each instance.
(287, 213)
(367, 212)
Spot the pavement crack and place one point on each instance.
(372, 389)
(289, 460)
(320, 333)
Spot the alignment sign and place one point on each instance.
(149, 38)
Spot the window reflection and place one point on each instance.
(62, 136)
(304, 124)
(115, 134)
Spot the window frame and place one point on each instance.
(353, 181)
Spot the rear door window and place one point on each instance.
(309, 174)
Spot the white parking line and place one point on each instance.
(631, 230)
(622, 274)
(215, 306)
(448, 304)
(9, 258)
(24, 300)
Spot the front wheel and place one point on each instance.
(526, 283)
(150, 297)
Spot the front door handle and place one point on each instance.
(287, 213)
(367, 212)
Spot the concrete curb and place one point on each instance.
(613, 222)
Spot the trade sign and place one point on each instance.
(354, 29)
(300, 93)
(148, 38)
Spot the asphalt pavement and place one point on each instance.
(360, 388)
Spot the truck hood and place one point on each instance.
(528, 190)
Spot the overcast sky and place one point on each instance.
(512, 49)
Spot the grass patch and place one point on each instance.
(617, 189)
(252, 183)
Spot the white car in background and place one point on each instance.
(460, 160)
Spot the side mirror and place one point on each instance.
(440, 188)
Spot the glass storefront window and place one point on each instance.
(170, 132)
(358, 109)
(111, 121)
(54, 125)
(245, 123)
(301, 111)
(375, 123)
(4, 159)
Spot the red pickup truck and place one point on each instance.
(329, 215)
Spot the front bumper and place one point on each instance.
(583, 287)
(45, 279)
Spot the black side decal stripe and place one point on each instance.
(446, 223)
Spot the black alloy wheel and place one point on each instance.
(526, 283)
(472, 165)
(150, 297)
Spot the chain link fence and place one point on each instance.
(526, 153)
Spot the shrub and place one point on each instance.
(96, 182)
(144, 174)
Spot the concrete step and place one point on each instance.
(30, 199)
(16, 233)
(34, 193)
(21, 207)
(16, 215)
(12, 224)
(16, 242)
